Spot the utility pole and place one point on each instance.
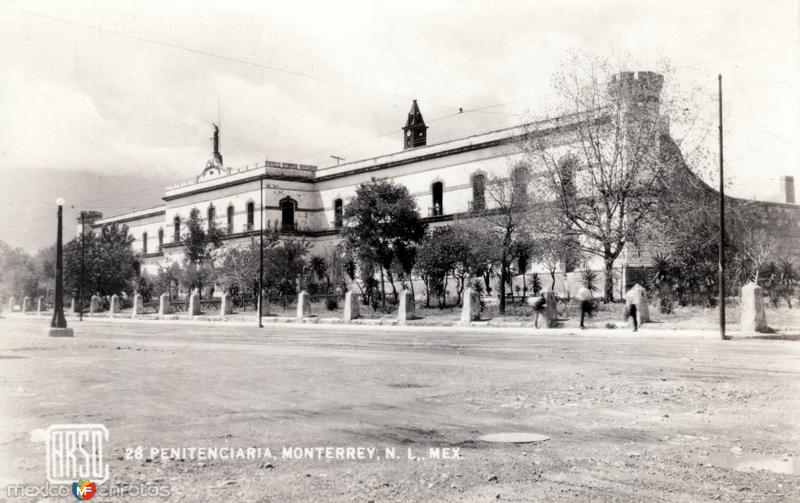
(721, 278)
(80, 285)
(261, 255)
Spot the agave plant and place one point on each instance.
(788, 278)
(769, 279)
(536, 283)
(589, 279)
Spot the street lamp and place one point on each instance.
(58, 325)
(80, 286)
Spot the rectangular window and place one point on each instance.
(144, 243)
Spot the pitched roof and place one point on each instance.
(414, 116)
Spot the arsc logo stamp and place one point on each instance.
(75, 452)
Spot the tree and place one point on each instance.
(284, 264)
(611, 177)
(435, 262)
(239, 266)
(109, 261)
(508, 216)
(20, 274)
(167, 277)
(380, 220)
(199, 242)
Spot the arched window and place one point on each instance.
(287, 214)
(520, 180)
(337, 213)
(212, 214)
(160, 239)
(251, 209)
(230, 219)
(478, 192)
(437, 190)
(176, 232)
(144, 243)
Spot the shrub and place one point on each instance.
(331, 303)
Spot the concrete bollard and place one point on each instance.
(644, 307)
(754, 318)
(114, 309)
(351, 308)
(137, 306)
(225, 305)
(163, 304)
(40, 305)
(471, 307)
(303, 305)
(26, 304)
(11, 303)
(194, 304)
(405, 311)
(94, 304)
(73, 306)
(550, 307)
(637, 296)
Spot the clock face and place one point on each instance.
(408, 133)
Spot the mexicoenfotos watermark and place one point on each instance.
(76, 465)
(86, 490)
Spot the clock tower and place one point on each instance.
(415, 131)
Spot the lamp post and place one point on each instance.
(80, 289)
(58, 325)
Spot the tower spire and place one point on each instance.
(415, 132)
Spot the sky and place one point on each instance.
(106, 102)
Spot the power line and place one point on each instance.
(233, 59)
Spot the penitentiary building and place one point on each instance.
(447, 180)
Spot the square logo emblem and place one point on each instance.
(75, 452)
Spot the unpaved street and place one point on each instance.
(632, 417)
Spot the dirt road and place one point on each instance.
(632, 417)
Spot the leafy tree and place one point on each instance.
(19, 273)
(199, 242)
(284, 264)
(435, 262)
(167, 279)
(109, 261)
(239, 266)
(381, 219)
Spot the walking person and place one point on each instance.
(539, 306)
(632, 307)
(586, 300)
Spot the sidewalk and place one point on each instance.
(365, 325)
